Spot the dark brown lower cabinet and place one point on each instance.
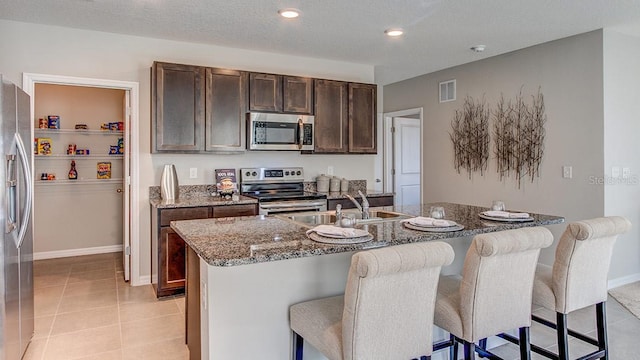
(373, 202)
(192, 308)
(168, 249)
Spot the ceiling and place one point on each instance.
(438, 33)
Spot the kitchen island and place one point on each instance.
(244, 273)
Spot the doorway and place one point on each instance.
(403, 156)
(125, 173)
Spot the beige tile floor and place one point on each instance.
(85, 310)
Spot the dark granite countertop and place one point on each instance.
(256, 239)
(195, 201)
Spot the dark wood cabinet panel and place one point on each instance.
(331, 125)
(168, 249)
(297, 95)
(362, 118)
(171, 272)
(192, 302)
(177, 107)
(235, 210)
(265, 92)
(169, 215)
(373, 202)
(225, 110)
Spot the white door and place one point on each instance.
(126, 186)
(406, 161)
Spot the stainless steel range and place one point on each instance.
(280, 190)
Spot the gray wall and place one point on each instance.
(570, 73)
(621, 147)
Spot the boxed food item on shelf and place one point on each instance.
(54, 121)
(44, 146)
(82, 127)
(104, 170)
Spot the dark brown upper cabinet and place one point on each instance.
(362, 118)
(280, 93)
(345, 117)
(297, 94)
(225, 110)
(177, 107)
(331, 124)
(197, 109)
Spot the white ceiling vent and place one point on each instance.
(448, 91)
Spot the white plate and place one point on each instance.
(483, 216)
(332, 240)
(358, 233)
(451, 222)
(456, 227)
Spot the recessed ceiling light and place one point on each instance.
(394, 32)
(478, 48)
(289, 13)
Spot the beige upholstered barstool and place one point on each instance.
(387, 308)
(494, 293)
(579, 279)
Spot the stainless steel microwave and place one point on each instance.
(268, 131)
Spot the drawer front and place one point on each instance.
(235, 210)
(169, 215)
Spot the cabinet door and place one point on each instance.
(235, 210)
(297, 94)
(331, 117)
(177, 107)
(172, 263)
(265, 92)
(225, 110)
(362, 118)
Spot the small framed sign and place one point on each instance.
(226, 182)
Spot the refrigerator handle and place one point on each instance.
(10, 201)
(26, 169)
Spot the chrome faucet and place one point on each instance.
(338, 215)
(364, 209)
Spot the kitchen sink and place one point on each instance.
(312, 219)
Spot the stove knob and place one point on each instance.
(247, 174)
(287, 173)
(254, 173)
(299, 173)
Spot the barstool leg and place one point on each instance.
(298, 346)
(601, 324)
(563, 335)
(453, 349)
(525, 343)
(469, 351)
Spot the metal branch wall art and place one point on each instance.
(518, 130)
(518, 136)
(470, 136)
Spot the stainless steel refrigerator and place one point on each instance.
(16, 249)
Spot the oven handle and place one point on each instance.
(292, 209)
(289, 205)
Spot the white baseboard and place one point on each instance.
(142, 280)
(76, 252)
(614, 283)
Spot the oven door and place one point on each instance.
(289, 206)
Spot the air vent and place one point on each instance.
(447, 91)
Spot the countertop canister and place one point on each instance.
(169, 183)
(334, 184)
(344, 185)
(322, 183)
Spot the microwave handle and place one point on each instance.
(300, 134)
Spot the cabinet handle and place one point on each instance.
(119, 191)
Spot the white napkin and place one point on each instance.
(427, 221)
(335, 231)
(506, 214)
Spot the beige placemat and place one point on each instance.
(629, 296)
